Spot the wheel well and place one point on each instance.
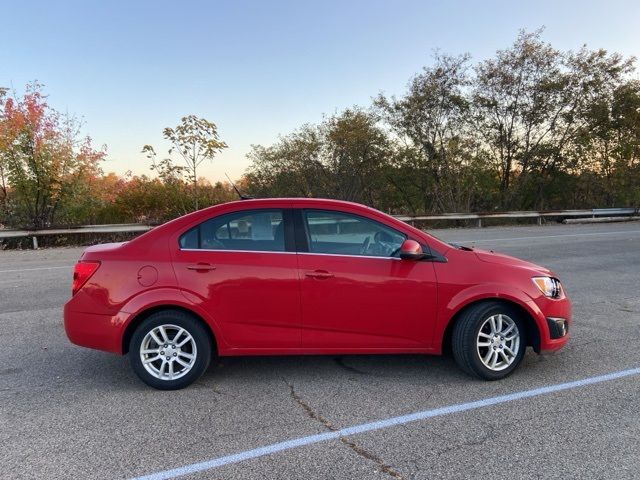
(533, 335)
(140, 317)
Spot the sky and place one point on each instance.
(260, 69)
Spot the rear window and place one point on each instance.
(249, 230)
(190, 239)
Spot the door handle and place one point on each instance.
(319, 274)
(201, 267)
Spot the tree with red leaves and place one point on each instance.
(43, 158)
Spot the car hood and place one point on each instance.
(501, 259)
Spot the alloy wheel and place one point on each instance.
(498, 342)
(168, 352)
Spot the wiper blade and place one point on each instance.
(461, 247)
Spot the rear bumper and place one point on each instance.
(101, 332)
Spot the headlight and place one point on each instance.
(549, 286)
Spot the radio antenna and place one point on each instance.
(242, 197)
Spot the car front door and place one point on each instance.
(241, 268)
(356, 292)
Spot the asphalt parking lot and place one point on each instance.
(69, 412)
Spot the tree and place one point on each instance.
(528, 106)
(43, 158)
(608, 144)
(518, 100)
(343, 157)
(431, 120)
(195, 140)
(5, 144)
(291, 167)
(355, 153)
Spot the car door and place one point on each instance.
(241, 268)
(356, 292)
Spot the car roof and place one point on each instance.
(288, 200)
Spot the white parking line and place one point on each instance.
(381, 424)
(546, 236)
(35, 269)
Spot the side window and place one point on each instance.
(345, 234)
(249, 230)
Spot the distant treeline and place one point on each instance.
(530, 128)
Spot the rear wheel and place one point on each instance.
(489, 340)
(170, 349)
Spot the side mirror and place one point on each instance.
(411, 250)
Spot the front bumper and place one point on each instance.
(558, 327)
(554, 320)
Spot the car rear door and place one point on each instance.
(241, 268)
(356, 293)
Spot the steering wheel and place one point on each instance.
(365, 246)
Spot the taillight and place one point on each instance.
(81, 273)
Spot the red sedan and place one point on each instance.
(307, 276)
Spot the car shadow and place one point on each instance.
(381, 366)
(92, 369)
(115, 371)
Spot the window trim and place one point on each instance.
(287, 219)
(303, 239)
(235, 251)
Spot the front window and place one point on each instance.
(249, 230)
(345, 234)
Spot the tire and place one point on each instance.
(176, 349)
(476, 340)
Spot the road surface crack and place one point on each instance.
(362, 452)
(486, 435)
(340, 362)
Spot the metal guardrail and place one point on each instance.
(539, 215)
(479, 217)
(113, 228)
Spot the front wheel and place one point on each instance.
(489, 340)
(170, 350)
